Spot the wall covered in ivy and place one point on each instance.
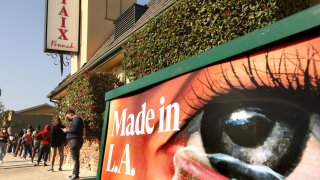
(86, 96)
(193, 26)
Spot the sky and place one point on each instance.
(27, 74)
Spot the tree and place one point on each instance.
(2, 113)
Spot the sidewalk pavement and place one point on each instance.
(14, 168)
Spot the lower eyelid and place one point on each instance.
(315, 125)
(195, 140)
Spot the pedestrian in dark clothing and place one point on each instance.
(58, 138)
(75, 140)
(36, 143)
(44, 137)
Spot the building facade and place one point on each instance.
(37, 115)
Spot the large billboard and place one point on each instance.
(248, 109)
(255, 116)
(62, 26)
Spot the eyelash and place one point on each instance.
(310, 89)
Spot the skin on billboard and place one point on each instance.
(255, 116)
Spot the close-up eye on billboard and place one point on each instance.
(253, 116)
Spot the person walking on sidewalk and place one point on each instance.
(44, 137)
(26, 142)
(58, 138)
(4, 136)
(36, 143)
(75, 140)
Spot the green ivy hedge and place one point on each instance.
(193, 26)
(86, 96)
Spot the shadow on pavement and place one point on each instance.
(16, 166)
(8, 162)
(55, 171)
(87, 177)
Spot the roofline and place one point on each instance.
(34, 107)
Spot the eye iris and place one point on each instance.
(247, 127)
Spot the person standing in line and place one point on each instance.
(19, 144)
(30, 127)
(58, 138)
(31, 132)
(4, 136)
(36, 143)
(15, 143)
(26, 138)
(10, 140)
(75, 140)
(44, 137)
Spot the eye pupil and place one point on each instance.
(247, 127)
